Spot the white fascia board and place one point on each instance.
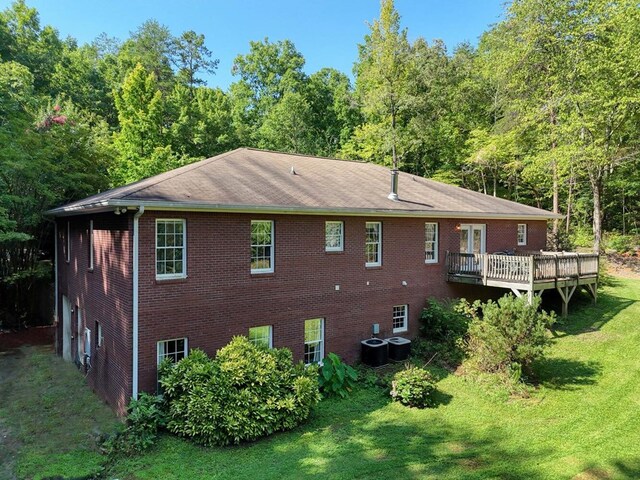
(285, 210)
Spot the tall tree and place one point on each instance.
(191, 57)
(382, 75)
(142, 147)
(267, 73)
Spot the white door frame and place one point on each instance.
(471, 227)
(66, 329)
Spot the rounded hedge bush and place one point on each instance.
(245, 393)
(414, 387)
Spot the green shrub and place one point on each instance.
(336, 377)
(443, 326)
(413, 386)
(245, 393)
(621, 243)
(145, 417)
(510, 335)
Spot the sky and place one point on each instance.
(326, 32)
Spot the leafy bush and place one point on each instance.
(443, 328)
(621, 243)
(336, 377)
(413, 386)
(510, 336)
(245, 393)
(145, 417)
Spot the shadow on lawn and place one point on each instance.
(565, 374)
(617, 469)
(401, 442)
(584, 316)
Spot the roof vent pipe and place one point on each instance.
(394, 185)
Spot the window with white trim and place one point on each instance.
(171, 248)
(313, 340)
(261, 246)
(99, 337)
(333, 236)
(175, 349)
(373, 246)
(90, 239)
(261, 336)
(522, 234)
(400, 318)
(68, 243)
(430, 242)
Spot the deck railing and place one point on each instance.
(523, 268)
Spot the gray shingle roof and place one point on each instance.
(256, 180)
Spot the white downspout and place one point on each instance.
(136, 234)
(55, 273)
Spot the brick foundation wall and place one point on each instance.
(220, 298)
(102, 295)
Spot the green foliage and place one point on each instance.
(443, 327)
(413, 387)
(145, 417)
(336, 377)
(245, 393)
(622, 243)
(510, 336)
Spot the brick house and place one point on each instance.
(291, 250)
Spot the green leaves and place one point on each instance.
(336, 377)
(413, 387)
(246, 392)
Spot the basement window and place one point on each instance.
(522, 234)
(175, 349)
(313, 340)
(171, 250)
(261, 336)
(400, 318)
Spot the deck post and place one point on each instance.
(532, 269)
(485, 268)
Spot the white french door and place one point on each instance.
(473, 238)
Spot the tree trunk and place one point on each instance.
(569, 206)
(596, 187)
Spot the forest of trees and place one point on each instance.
(544, 111)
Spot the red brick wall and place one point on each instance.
(103, 295)
(220, 298)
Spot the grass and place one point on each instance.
(50, 418)
(581, 422)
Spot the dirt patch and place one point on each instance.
(624, 265)
(593, 474)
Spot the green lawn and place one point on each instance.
(581, 422)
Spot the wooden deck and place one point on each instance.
(531, 273)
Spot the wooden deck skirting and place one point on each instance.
(564, 271)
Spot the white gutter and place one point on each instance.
(136, 235)
(289, 210)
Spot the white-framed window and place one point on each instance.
(261, 335)
(261, 246)
(87, 342)
(373, 246)
(171, 248)
(522, 234)
(334, 236)
(400, 318)
(313, 340)
(68, 243)
(430, 242)
(175, 349)
(90, 239)
(99, 337)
